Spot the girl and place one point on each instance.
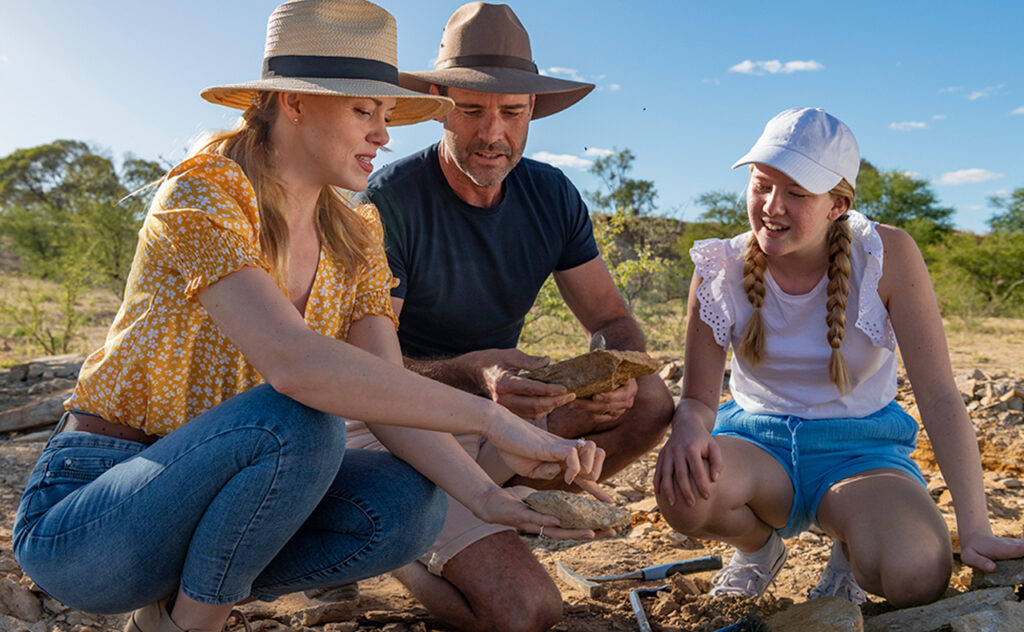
(814, 300)
(203, 455)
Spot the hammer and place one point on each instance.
(589, 587)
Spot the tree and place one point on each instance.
(636, 197)
(1012, 219)
(900, 199)
(724, 208)
(60, 205)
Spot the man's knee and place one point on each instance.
(646, 422)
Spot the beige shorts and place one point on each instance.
(461, 527)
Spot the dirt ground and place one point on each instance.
(994, 347)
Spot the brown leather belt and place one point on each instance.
(84, 422)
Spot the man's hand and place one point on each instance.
(527, 398)
(607, 407)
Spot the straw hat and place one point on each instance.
(809, 145)
(332, 47)
(485, 48)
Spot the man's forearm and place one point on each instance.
(451, 371)
(622, 333)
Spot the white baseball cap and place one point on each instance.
(809, 145)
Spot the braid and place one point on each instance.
(754, 264)
(838, 290)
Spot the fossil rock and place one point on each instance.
(575, 511)
(595, 372)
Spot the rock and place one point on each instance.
(1012, 483)
(326, 613)
(35, 414)
(828, 614)
(595, 372)
(575, 511)
(1007, 617)
(671, 372)
(683, 586)
(19, 601)
(347, 626)
(1007, 573)
(939, 613)
(10, 624)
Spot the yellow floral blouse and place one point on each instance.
(164, 360)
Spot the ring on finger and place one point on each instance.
(540, 534)
(581, 442)
(608, 413)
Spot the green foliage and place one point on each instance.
(633, 265)
(728, 210)
(900, 199)
(622, 192)
(50, 320)
(979, 275)
(59, 208)
(1011, 220)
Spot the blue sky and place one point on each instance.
(932, 88)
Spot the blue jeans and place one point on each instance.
(256, 497)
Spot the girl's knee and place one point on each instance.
(685, 519)
(919, 580)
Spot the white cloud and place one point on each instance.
(967, 176)
(572, 73)
(987, 91)
(597, 151)
(950, 89)
(713, 82)
(911, 174)
(1000, 192)
(614, 86)
(939, 117)
(1019, 110)
(4, 59)
(562, 161)
(907, 126)
(975, 207)
(775, 67)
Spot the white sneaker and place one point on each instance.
(748, 580)
(837, 579)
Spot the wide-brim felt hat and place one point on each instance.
(486, 48)
(336, 48)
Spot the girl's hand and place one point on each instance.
(688, 464)
(505, 506)
(981, 549)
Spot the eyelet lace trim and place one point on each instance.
(709, 258)
(872, 317)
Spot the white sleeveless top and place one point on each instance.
(792, 379)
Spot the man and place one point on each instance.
(473, 230)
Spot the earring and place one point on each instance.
(295, 120)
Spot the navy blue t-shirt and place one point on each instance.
(469, 275)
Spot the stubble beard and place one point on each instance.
(483, 178)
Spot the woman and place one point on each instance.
(202, 458)
(814, 300)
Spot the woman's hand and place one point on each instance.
(690, 461)
(505, 506)
(536, 453)
(981, 549)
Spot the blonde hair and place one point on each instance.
(755, 262)
(342, 232)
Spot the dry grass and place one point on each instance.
(991, 344)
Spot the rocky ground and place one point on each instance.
(30, 395)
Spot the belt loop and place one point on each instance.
(60, 424)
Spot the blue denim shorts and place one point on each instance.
(818, 453)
